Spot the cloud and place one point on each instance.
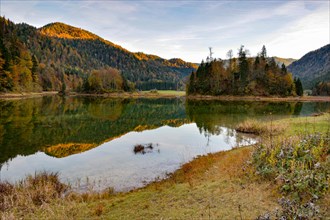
(302, 35)
(186, 29)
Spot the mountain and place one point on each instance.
(61, 30)
(313, 67)
(286, 61)
(59, 56)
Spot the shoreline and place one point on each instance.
(24, 95)
(135, 95)
(175, 94)
(261, 98)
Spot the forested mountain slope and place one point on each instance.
(313, 68)
(59, 55)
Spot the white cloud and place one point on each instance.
(299, 37)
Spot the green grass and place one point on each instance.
(165, 92)
(311, 124)
(261, 128)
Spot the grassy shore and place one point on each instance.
(242, 183)
(173, 94)
(262, 98)
(26, 95)
(140, 94)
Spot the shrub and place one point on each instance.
(300, 166)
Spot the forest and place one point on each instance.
(322, 89)
(60, 57)
(243, 75)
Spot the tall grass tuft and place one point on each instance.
(260, 128)
(30, 193)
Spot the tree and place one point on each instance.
(34, 69)
(299, 88)
(283, 69)
(243, 65)
(230, 54)
(63, 89)
(263, 53)
(230, 57)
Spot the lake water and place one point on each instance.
(90, 141)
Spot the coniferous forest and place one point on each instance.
(244, 75)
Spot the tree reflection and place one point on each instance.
(211, 115)
(31, 125)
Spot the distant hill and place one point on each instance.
(59, 54)
(286, 61)
(313, 67)
(62, 30)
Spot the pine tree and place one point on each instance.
(34, 69)
(243, 65)
(263, 53)
(299, 88)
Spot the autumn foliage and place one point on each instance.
(242, 76)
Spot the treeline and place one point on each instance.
(106, 80)
(18, 68)
(243, 76)
(59, 55)
(322, 89)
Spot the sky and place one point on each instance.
(186, 29)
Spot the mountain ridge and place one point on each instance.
(313, 67)
(67, 54)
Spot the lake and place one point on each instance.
(90, 141)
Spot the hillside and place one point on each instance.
(286, 61)
(62, 30)
(59, 56)
(313, 67)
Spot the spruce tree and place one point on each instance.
(299, 88)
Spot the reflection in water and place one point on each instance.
(30, 125)
(95, 137)
(115, 164)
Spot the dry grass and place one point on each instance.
(30, 194)
(215, 186)
(261, 128)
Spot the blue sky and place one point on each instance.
(186, 29)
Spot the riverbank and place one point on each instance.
(26, 95)
(262, 98)
(172, 94)
(223, 185)
(140, 94)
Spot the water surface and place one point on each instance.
(91, 140)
